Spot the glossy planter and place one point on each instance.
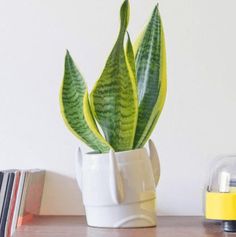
(118, 188)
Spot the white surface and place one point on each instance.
(113, 194)
(198, 121)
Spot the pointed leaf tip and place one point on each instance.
(156, 9)
(75, 108)
(124, 14)
(68, 56)
(115, 114)
(128, 38)
(150, 61)
(125, 3)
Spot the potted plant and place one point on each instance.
(118, 178)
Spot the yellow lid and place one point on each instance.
(220, 206)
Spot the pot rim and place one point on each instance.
(117, 152)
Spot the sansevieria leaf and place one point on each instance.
(150, 61)
(114, 97)
(130, 56)
(75, 108)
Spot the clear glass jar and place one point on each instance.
(221, 192)
(223, 175)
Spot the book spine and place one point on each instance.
(6, 204)
(3, 192)
(23, 197)
(1, 178)
(12, 205)
(18, 202)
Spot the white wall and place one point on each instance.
(198, 121)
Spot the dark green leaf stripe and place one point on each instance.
(76, 110)
(151, 76)
(114, 97)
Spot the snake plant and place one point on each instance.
(128, 97)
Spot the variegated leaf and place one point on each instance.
(114, 97)
(130, 56)
(150, 60)
(75, 108)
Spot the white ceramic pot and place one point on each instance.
(118, 188)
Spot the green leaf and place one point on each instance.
(114, 97)
(75, 108)
(130, 55)
(150, 60)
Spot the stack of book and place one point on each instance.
(20, 198)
